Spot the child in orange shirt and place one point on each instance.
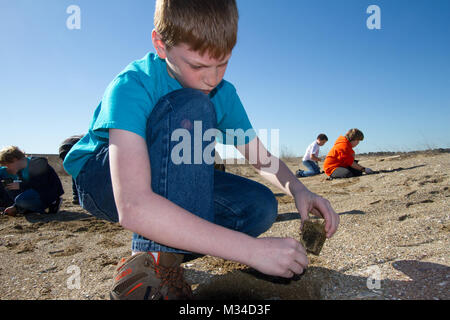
(340, 161)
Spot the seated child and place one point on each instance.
(130, 168)
(311, 157)
(28, 183)
(340, 161)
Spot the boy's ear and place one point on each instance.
(159, 44)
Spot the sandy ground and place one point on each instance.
(392, 243)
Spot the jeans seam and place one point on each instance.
(235, 215)
(165, 163)
(163, 188)
(223, 204)
(86, 195)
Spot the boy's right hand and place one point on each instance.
(283, 257)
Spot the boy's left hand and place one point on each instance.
(13, 186)
(307, 202)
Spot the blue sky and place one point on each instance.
(301, 66)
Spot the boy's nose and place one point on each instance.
(212, 78)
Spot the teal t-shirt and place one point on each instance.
(21, 175)
(130, 98)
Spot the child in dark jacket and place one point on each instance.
(28, 183)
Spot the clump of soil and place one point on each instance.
(313, 236)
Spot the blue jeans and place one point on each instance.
(29, 200)
(222, 198)
(313, 168)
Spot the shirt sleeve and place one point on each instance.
(315, 150)
(125, 106)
